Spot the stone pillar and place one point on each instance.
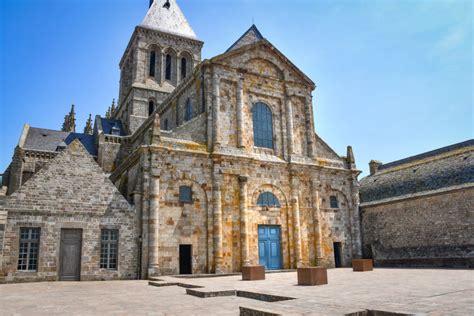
(356, 228)
(296, 220)
(137, 202)
(309, 125)
(240, 113)
(218, 229)
(316, 200)
(289, 123)
(244, 221)
(216, 100)
(153, 224)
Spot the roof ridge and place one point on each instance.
(428, 154)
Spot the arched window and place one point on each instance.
(168, 67)
(268, 199)
(262, 125)
(188, 111)
(151, 71)
(151, 107)
(184, 64)
(166, 125)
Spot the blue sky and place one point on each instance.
(394, 78)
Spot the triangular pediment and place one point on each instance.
(251, 36)
(261, 57)
(71, 182)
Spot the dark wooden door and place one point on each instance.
(337, 254)
(185, 259)
(70, 255)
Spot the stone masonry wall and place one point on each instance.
(427, 231)
(70, 192)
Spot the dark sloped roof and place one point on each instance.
(49, 140)
(107, 125)
(412, 175)
(252, 35)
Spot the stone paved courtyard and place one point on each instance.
(422, 291)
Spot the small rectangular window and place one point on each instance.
(185, 194)
(333, 201)
(109, 249)
(29, 249)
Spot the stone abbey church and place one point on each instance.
(203, 167)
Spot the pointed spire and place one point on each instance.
(69, 124)
(166, 16)
(88, 127)
(112, 108)
(108, 113)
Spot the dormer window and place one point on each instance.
(115, 130)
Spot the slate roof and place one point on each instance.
(107, 125)
(49, 140)
(252, 35)
(442, 168)
(168, 19)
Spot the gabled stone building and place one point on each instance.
(419, 211)
(219, 158)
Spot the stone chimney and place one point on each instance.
(374, 166)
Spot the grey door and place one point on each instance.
(70, 255)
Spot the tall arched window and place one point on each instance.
(151, 107)
(168, 67)
(262, 125)
(188, 111)
(151, 71)
(268, 199)
(184, 65)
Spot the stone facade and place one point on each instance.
(419, 211)
(193, 128)
(70, 192)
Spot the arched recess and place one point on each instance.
(263, 128)
(185, 63)
(279, 216)
(186, 223)
(153, 70)
(151, 106)
(170, 66)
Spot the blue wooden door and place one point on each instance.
(269, 248)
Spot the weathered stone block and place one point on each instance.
(253, 273)
(312, 276)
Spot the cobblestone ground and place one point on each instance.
(424, 291)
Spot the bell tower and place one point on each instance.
(162, 53)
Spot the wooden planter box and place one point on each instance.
(312, 276)
(362, 265)
(252, 273)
